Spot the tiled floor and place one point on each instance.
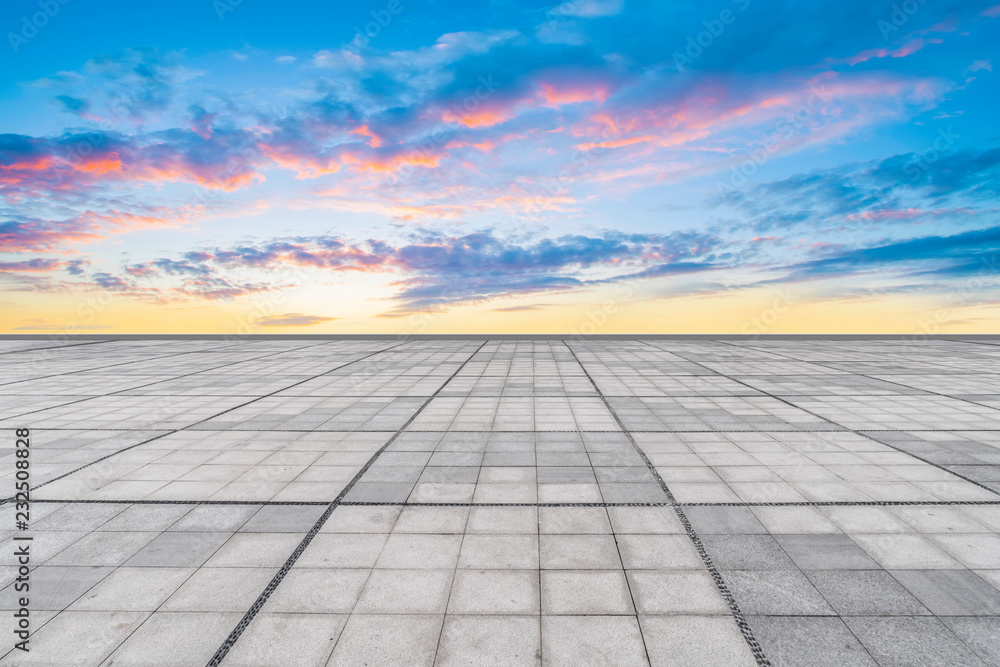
(456, 502)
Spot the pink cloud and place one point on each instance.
(373, 139)
(554, 96)
(907, 49)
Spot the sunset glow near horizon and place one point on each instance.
(599, 166)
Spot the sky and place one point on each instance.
(419, 166)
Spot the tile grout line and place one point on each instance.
(451, 586)
(861, 432)
(720, 584)
(123, 363)
(258, 604)
(172, 431)
(825, 364)
(296, 384)
(56, 347)
(628, 585)
(206, 370)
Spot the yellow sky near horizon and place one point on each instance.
(751, 311)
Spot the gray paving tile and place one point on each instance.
(682, 640)
(675, 592)
(178, 549)
(100, 548)
(909, 640)
(951, 592)
(56, 587)
(146, 518)
(865, 593)
(585, 552)
(632, 493)
(586, 592)
(775, 593)
(255, 550)
(724, 521)
(658, 552)
(981, 634)
(298, 639)
(416, 551)
(219, 589)
(494, 591)
(503, 520)
(318, 591)
(379, 492)
(499, 552)
(78, 637)
(809, 641)
(133, 589)
(386, 639)
(489, 640)
(174, 639)
(573, 520)
(578, 640)
(405, 592)
(826, 552)
(746, 552)
(438, 520)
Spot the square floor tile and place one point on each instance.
(675, 592)
(590, 592)
(681, 641)
(909, 640)
(580, 640)
(489, 640)
(387, 640)
(494, 592)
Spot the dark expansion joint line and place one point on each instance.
(720, 584)
(261, 600)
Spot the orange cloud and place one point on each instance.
(373, 139)
(474, 119)
(303, 166)
(394, 163)
(556, 97)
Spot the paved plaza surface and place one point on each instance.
(473, 502)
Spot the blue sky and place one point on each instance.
(655, 166)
